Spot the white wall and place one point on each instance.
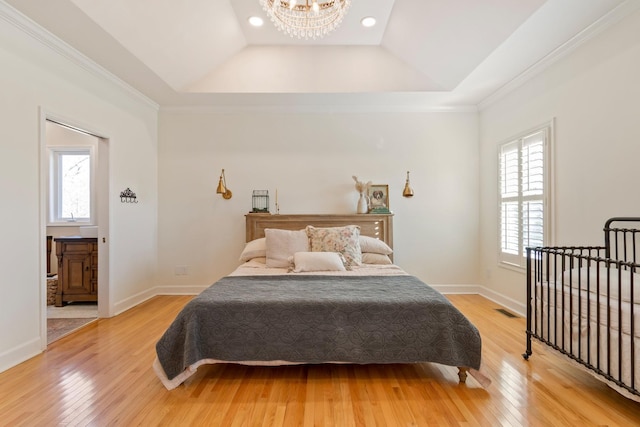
(593, 95)
(35, 78)
(310, 159)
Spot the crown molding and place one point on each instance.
(312, 105)
(55, 44)
(319, 109)
(562, 51)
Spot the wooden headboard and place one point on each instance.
(374, 225)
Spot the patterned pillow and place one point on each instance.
(344, 240)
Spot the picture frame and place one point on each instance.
(378, 198)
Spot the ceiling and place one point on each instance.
(436, 53)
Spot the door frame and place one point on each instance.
(105, 305)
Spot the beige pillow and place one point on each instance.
(282, 244)
(373, 258)
(254, 249)
(317, 261)
(344, 240)
(373, 245)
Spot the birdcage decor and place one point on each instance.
(260, 201)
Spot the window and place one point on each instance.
(71, 195)
(523, 195)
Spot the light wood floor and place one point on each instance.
(102, 376)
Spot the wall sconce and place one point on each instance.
(222, 187)
(408, 191)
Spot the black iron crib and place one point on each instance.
(584, 301)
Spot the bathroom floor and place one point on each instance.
(62, 321)
(73, 310)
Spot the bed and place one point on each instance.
(317, 289)
(584, 302)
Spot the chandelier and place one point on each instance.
(310, 20)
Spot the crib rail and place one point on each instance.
(622, 243)
(581, 301)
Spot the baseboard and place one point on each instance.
(132, 301)
(513, 305)
(179, 290)
(457, 289)
(14, 356)
(489, 294)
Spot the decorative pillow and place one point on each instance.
(344, 240)
(318, 261)
(254, 249)
(282, 244)
(373, 245)
(373, 258)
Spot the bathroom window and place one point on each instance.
(71, 186)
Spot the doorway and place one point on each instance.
(58, 317)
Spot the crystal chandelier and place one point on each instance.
(311, 20)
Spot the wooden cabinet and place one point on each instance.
(77, 269)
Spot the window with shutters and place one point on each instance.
(523, 194)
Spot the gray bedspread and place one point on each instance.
(316, 319)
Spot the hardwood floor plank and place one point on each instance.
(102, 375)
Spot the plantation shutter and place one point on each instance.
(510, 189)
(522, 195)
(533, 190)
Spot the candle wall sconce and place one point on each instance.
(408, 191)
(128, 196)
(222, 187)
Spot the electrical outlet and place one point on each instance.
(182, 270)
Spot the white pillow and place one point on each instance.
(318, 261)
(254, 249)
(282, 244)
(373, 245)
(373, 258)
